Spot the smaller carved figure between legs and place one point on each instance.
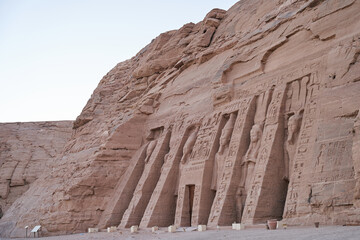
(240, 198)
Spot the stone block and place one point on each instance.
(93, 230)
(154, 229)
(134, 229)
(171, 229)
(111, 229)
(280, 225)
(238, 226)
(201, 228)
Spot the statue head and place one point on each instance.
(225, 136)
(226, 132)
(255, 133)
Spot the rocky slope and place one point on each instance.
(28, 150)
(245, 116)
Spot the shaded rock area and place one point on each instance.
(28, 150)
(249, 115)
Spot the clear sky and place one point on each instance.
(53, 53)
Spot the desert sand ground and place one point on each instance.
(292, 233)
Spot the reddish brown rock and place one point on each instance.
(27, 151)
(249, 115)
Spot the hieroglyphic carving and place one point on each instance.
(187, 151)
(294, 123)
(196, 205)
(301, 154)
(330, 165)
(220, 156)
(188, 147)
(201, 159)
(222, 211)
(147, 182)
(205, 136)
(161, 207)
(267, 149)
(249, 159)
(273, 112)
(297, 97)
(262, 104)
(179, 206)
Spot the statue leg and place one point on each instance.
(214, 176)
(243, 175)
(249, 175)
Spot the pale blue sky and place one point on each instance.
(53, 53)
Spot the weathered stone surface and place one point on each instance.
(251, 114)
(28, 150)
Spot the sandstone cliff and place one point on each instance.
(245, 116)
(28, 150)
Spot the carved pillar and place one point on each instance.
(221, 155)
(294, 123)
(297, 190)
(192, 175)
(124, 190)
(161, 208)
(223, 210)
(147, 183)
(267, 187)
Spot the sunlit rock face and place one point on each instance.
(251, 114)
(28, 150)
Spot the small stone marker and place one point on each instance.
(280, 225)
(154, 229)
(134, 229)
(202, 228)
(238, 226)
(172, 229)
(93, 230)
(111, 229)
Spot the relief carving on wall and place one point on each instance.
(221, 155)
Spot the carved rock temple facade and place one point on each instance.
(251, 114)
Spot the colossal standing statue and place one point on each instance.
(223, 149)
(294, 123)
(189, 145)
(249, 159)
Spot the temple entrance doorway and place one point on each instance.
(191, 190)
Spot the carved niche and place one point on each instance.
(223, 150)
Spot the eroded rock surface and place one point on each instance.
(28, 150)
(249, 115)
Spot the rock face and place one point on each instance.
(28, 150)
(251, 114)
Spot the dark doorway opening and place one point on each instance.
(191, 190)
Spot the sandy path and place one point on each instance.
(303, 233)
